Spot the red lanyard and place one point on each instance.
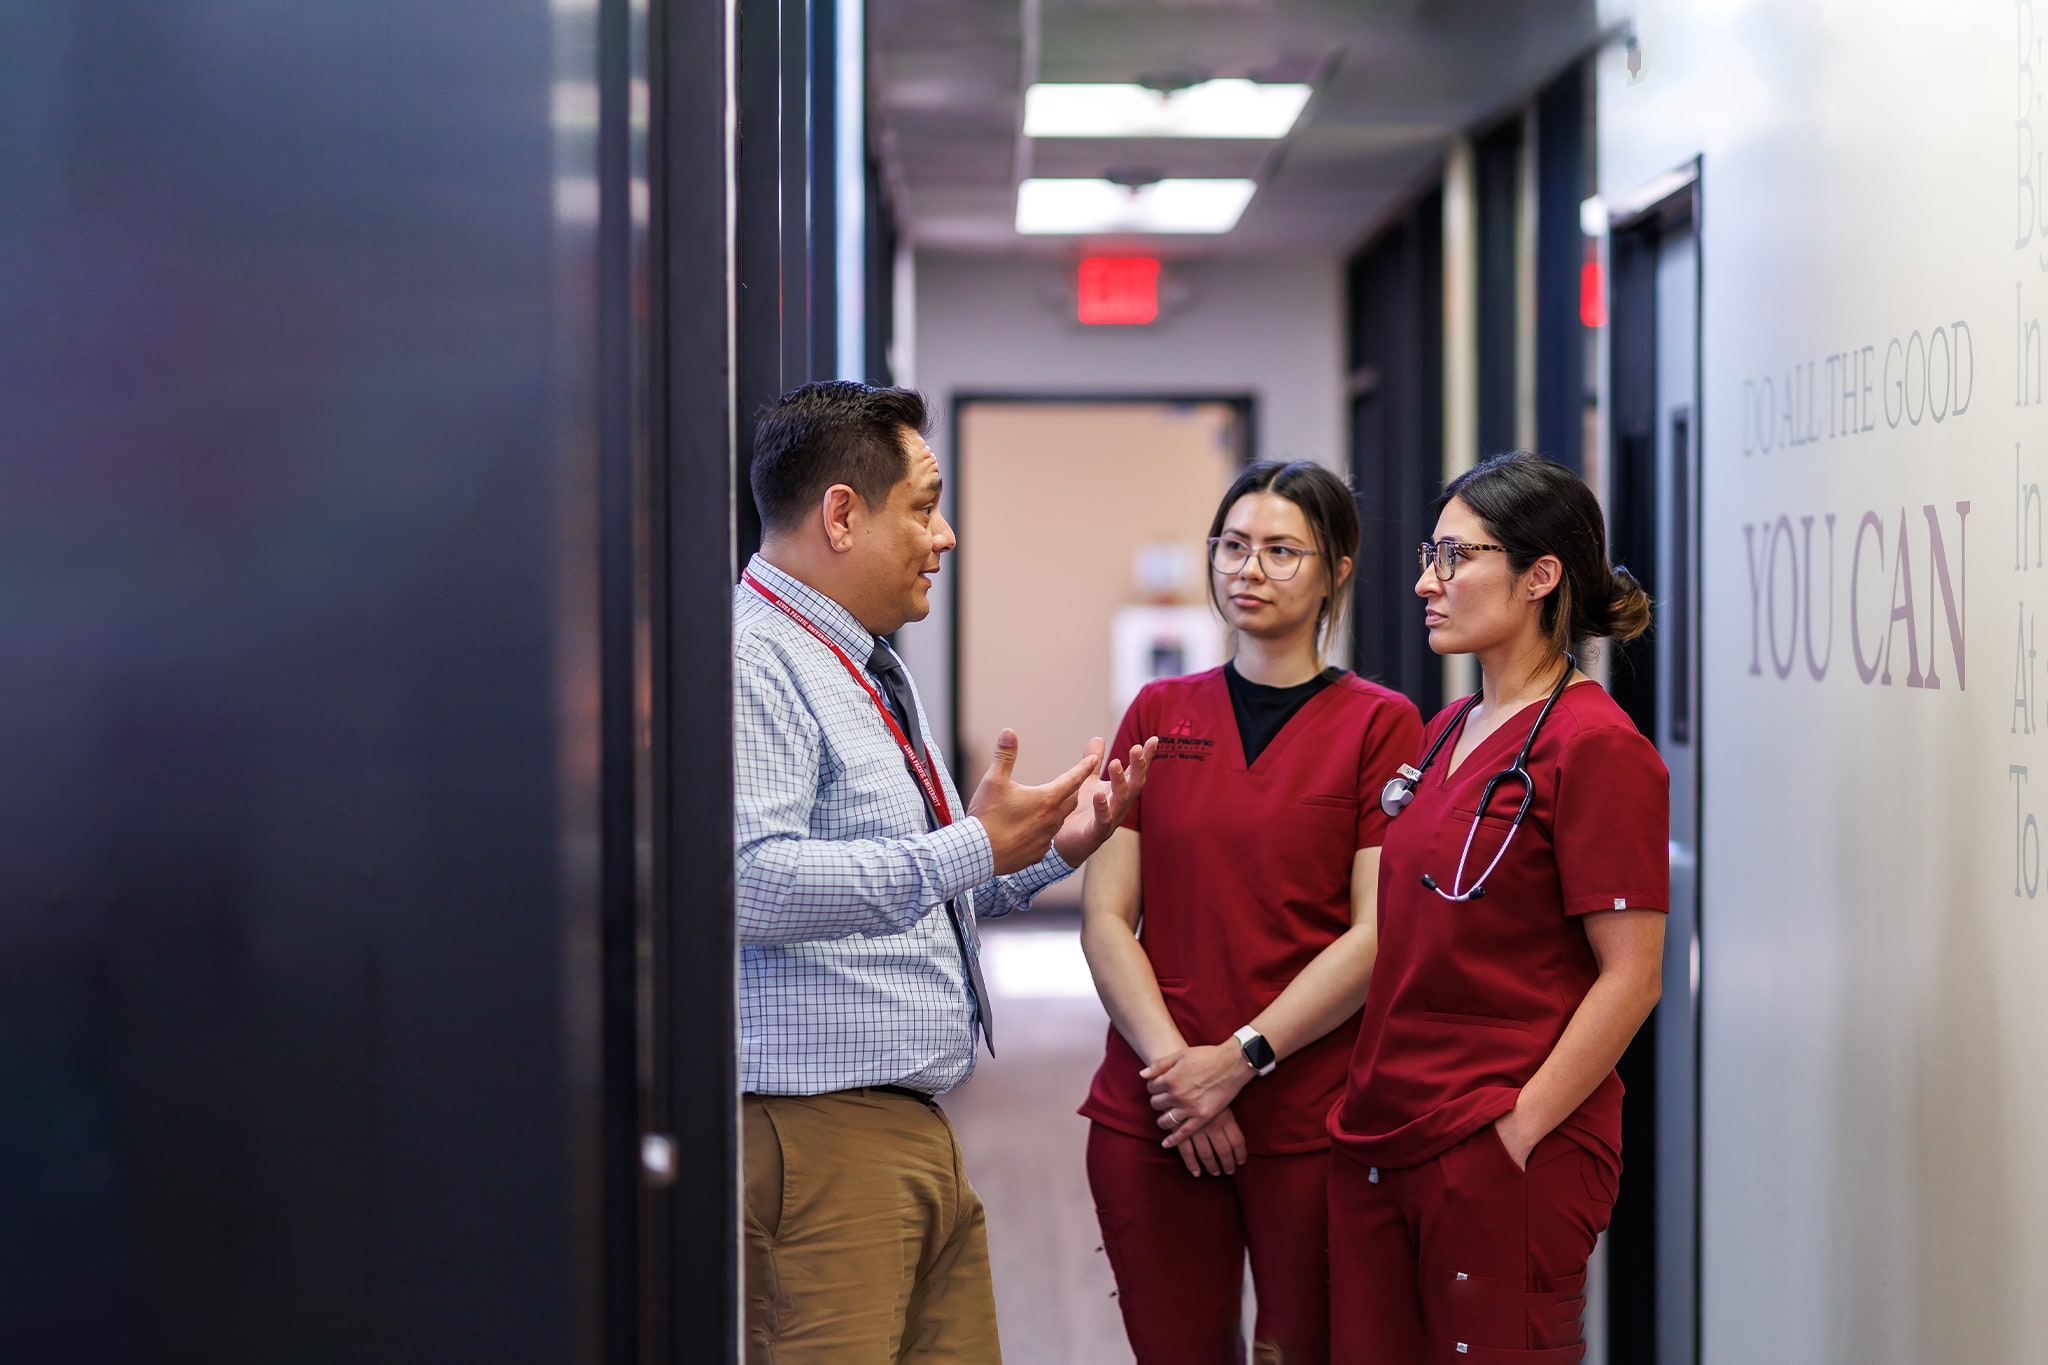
(918, 767)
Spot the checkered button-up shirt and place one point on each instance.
(850, 970)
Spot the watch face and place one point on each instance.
(1259, 1053)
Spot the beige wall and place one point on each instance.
(1268, 328)
(1052, 500)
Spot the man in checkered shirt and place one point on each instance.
(860, 989)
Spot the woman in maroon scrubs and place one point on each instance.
(1478, 1144)
(1251, 860)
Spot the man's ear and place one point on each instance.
(838, 510)
(1543, 577)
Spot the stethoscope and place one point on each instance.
(1395, 796)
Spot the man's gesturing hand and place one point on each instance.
(1021, 820)
(1104, 802)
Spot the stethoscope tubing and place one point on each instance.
(1393, 802)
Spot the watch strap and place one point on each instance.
(1258, 1053)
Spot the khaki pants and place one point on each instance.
(865, 1243)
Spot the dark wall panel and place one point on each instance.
(787, 325)
(879, 327)
(1395, 321)
(300, 432)
(694, 1225)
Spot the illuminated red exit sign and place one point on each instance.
(1118, 290)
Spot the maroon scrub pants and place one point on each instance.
(1465, 1258)
(1177, 1245)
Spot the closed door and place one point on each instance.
(1652, 1265)
(1073, 518)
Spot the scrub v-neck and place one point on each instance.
(1506, 726)
(1322, 683)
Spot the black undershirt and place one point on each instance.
(1262, 711)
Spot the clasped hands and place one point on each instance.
(1192, 1091)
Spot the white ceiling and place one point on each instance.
(1396, 78)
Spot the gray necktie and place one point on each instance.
(895, 680)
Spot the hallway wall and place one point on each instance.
(1268, 328)
(1872, 934)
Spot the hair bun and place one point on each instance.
(1628, 606)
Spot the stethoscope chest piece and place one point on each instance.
(1399, 791)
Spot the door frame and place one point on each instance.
(1245, 405)
(1636, 227)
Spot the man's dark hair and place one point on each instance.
(838, 431)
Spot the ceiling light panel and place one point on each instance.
(1047, 207)
(1224, 108)
(1092, 159)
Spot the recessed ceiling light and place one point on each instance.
(1177, 206)
(1226, 108)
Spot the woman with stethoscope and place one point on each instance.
(1523, 887)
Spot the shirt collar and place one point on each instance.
(839, 625)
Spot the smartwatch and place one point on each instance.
(1257, 1051)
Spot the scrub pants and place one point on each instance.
(1463, 1257)
(1177, 1245)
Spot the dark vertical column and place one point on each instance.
(788, 309)
(694, 1218)
(613, 1216)
(1422, 674)
(1632, 418)
(785, 305)
(1374, 468)
(759, 304)
(1395, 301)
(299, 493)
(821, 240)
(800, 200)
(880, 318)
(1632, 1238)
(1561, 186)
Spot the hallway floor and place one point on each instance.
(1025, 1148)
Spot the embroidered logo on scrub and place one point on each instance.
(1179, 742)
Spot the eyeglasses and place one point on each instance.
(1228, 554)
(1443, 556)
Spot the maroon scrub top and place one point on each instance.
(1246, 876)
(1468, 1000)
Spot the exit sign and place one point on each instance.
(1118, 290)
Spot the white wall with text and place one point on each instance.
(1874, 931)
